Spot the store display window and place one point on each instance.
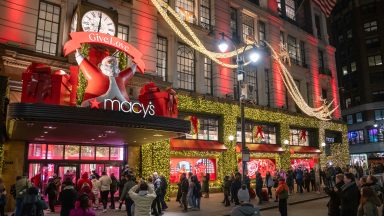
(303, 163)
(37, 151)
(102, 153)
(198, 166)
(258, 165)
(55, 152)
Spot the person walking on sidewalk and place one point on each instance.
(143, 196)
(269, 183)
(52, 193)
(184, 185)
(227, 191)
(282, 193)
(67, 197)
(299, 179)
(259, 187)
(205, 188)
(125, 196)
(236, 185)
(122, 182)
(334, 201)
(96, 190)
(349, 196)
(113, 189)
(105, 187)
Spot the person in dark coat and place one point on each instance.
(236, 185)
(349, 196)
(32, 201)
(334, 201)
(52, 192)
(307, 180)
(184, 191)
(312, 177)
(259, 187)
(290, 181)
(299, 180)
(227, 190)
(205, 188)
(67, 197)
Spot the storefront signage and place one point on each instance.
(130, 107)
(329, 139)
(78, 38)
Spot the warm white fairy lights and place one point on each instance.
(322, 112)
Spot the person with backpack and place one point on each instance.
(105, 187)
(87, 190)
(125, 196)
(84, 207)
(21, 187)
(84, 179)
(33, 204)
(67, 197)
(196, 193)
(282, 194)
(164, 187)
(52, 193)
(114, 185)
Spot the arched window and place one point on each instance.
(185, 67)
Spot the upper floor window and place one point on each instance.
(321, 59)
(348, 102)
(186, 9)
(353, 66)
(370, 26)
(378, 95)
(208, 74)
(345, 70)
(290, 9)
(355, 137)
(123, 32)
(372, 42)
(186, 67)
(251, 76)
(233, 22)
(262, 36)
(161, 57)
(257, 133)
(292, 48)
(318, 26)
(248, 27)
(207, 129)
(359, 117)
(302, 53)
(373, 135)
(205, 13)
(282, 38)
(301, 137)
(379, 115)
(48, 25)
(374, 60)
(349, 119)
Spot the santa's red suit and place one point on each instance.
(101, 85)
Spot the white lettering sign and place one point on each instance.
(130, 107)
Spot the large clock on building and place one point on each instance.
(93, 18)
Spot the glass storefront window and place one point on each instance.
(37, 151)
(98, 168)
(208, 130)
(34, 169)
(87, 152)
(355, 137)
(113, 169)
(117, 153)
(257, 133)
(102, 153)
(55, 152)
(72, 152)
(373, 135)
(299, 137)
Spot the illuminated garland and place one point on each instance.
(322, 112)
(82, 81)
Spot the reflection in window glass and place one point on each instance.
(117, 153)
(37, 151)
(87, 152)
(102, 153)
(115, 170)
(373, 135)
(257, 133)
(55, 152)
(355, 137)
(34, 169)
(299, 137)
(72, 152)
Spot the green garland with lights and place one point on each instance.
(82, 81)
(227, 161)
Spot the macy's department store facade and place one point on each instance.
(67, 124)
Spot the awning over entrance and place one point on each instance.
(53, 123)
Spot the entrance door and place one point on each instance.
(68, 171)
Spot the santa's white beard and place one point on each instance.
(109, 70)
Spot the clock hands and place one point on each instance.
(100, 15)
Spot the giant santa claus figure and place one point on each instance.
(105, 82)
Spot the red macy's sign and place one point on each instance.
(77, 38)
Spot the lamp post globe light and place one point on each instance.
(254, 56)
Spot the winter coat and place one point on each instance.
(236, 185)
(96, 186)
(334, 201)
(269, 181)
(370, 207)
(299, 175)
(143, 200)
(84, 179)
(259, 182)
(349, 197)
(33, 202)
(227, 187)
(312, 175)
(245, 209)
(184, 185)
(105, 183)
(282, 187)
(51, 189)
(128, 185)
(68, 196)
(21, 187)
(205, 187)
(114, 184)
(82, 212)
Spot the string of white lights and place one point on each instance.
(321, 112)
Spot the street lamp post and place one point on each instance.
(242, 83)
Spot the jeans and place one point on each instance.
(104, 198)
(19, 206)
(190, 198)
(259, 195)
(196, 202)
(156, 206)
(283, 207)
(52, 202)
(113, 199)
(184, 200)
(162, 200)
(128, 206)
(299, 185)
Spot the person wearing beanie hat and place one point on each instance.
(245, 208)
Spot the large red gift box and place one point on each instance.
(165, 102)
(40, 86)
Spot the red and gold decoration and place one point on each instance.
(259, 134)
(195, 124)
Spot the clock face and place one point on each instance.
(74, 23)
(97, 21)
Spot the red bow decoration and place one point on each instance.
(259, 131)
(303, 135)
(194, 121)
(40, 84)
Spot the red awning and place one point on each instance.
(196, 145)
(305, 149)
(261, 148)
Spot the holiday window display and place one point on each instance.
(258, 165)
(303, 163)
(198, 166)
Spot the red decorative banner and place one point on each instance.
(78, 38)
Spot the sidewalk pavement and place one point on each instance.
(213, 206)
